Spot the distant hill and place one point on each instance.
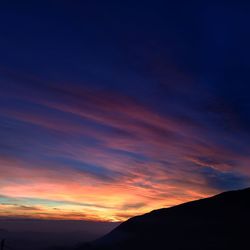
(216, 223)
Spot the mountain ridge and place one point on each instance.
(217, 222)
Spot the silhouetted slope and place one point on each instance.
(219, 222)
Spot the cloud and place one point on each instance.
(129, 206)
(224, 181)
(90, 153)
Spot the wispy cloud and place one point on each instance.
(90, 153)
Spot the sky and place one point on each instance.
(110, 109)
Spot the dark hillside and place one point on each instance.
(219, 222)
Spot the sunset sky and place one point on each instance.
(110, 109)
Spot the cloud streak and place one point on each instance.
(90, 154)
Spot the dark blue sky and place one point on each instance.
(142, 101)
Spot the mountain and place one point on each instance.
(221, 222)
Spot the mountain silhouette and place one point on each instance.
(218, 222)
